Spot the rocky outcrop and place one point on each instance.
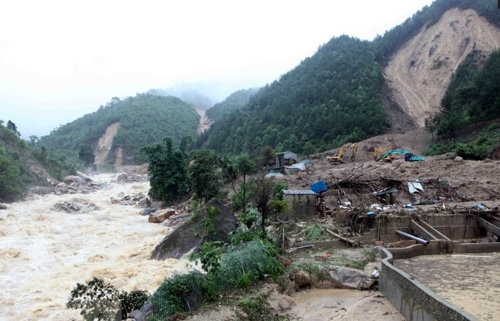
(193, 232)
(160, 216)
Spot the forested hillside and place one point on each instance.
(473, 96)
(191, 96)
(235, 101)
(23, 165)
(331, 98)
(144, 119)
(467, 124)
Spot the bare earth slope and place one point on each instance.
(205, 122)
(104, 144)
(420, 72)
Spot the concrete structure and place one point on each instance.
(301, 203)
(442, 226)
(414, 300)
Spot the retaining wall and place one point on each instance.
(453, 226)
(413, 299)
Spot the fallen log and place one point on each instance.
(293, 249)
(345, 239)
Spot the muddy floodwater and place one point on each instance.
(43, 254)
(469, 281)
(339, 304)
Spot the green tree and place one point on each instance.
(86, 154)
(13, 127)
(268, 155)
(168, 170)
(11, 185)
(431, 125)
(101, 301)
(263, 194)
(204, 174)
(43, 154)
(245, 166)
(34, 140)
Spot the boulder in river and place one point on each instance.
(192, 234)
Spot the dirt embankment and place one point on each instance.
(421, 70)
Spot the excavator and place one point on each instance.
(377, 152)
(354, 148)
(390, 155)
(337, 159)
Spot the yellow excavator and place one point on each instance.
(337, 159)
(354, 149)
(379, 152)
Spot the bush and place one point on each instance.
(468, 151)
(250, 217)
(254, 308)
(181, 293)
(246, 264)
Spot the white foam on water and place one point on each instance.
(43, 254)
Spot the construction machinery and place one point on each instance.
(378, 152)
(391, 154)
(354, 149)
(337, 159)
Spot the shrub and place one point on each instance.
(246, 264)
(250, 217)
(254, 308)
(181, 293)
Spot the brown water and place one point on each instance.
(43, 254)
(339, 304)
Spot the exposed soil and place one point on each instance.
(421, 70)
(104, 144)
(338, 304)
(205, 122)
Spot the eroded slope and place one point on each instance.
(104, 144)
(420, 72)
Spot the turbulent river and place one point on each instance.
(43, 254)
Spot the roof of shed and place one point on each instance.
(298, 192)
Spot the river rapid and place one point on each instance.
(43, 253)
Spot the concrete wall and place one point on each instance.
(410, 297)
(453, 226)
(300, 206)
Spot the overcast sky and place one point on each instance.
(62, 59)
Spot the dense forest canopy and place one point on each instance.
(193, 97)
(234, 101)
(473, 96)
(329, 99)
(144, 119)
